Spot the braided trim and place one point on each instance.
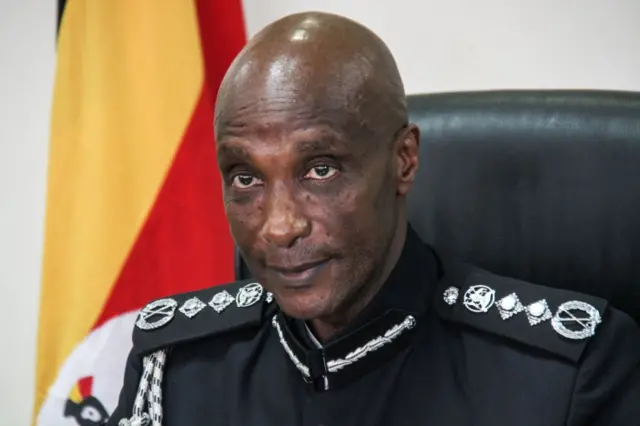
(149, 392)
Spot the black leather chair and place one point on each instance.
(538, 185)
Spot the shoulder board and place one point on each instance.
(555, 320)
(190, 316)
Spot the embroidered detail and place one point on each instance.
(163, 309)
(538, 312)
(299, 365)
(451, 296)
(479, 298)
(573, 313)
(221, 301)
(509, 306)
(191, 307)
(372, 345)
(249, 295)
(337, 364)
(149, 392)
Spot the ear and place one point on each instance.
(407, 148)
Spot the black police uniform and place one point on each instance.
(440, 345)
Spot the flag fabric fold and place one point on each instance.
(134, 205)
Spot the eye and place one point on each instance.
(91, 413)
(245, 181)
(321, 172)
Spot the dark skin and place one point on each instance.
(316, 157)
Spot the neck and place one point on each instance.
(326, 327)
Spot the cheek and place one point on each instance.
(344, 214)
(244, 221)
(362, 212)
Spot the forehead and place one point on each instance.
(296, 124)
(289, 88)
(282, 140)
(291, 107)
(283, 108)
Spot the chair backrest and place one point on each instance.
(538, 185)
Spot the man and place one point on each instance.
(355, 321)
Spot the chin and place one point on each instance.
(304, 306)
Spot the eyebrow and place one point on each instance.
(240, 152)
(317, 146)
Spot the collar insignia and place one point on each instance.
(351, 355)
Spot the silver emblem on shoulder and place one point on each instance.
(156, 314)
(450, 296)
(509, 306)
(191, 307)
(479, 298)
(538, 312)
(580, 316)
(269, 297)
(248, 295)
(221, 301)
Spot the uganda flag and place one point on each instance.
(134, 204)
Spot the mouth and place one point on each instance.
(299, 275)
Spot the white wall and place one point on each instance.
(27, 49)
(443, 45)
(439, 45)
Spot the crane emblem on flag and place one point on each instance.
(85, 408)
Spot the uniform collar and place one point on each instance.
(384, 328)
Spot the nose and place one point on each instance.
(284, 222)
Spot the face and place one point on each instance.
(313, 208)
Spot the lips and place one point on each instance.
(297, 268)
(299, 274)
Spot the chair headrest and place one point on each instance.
(542, 186)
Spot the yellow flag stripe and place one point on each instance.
(129, 74)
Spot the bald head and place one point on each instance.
(324, 65)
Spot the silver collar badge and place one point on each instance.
(584, 317)
(479, 298)
(249, 295)
(221, 301)
(156, 314)
(191, 307)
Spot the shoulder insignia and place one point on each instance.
(556, 320)
(189, 316)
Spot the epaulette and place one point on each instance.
(552, 319)
(189, 316)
